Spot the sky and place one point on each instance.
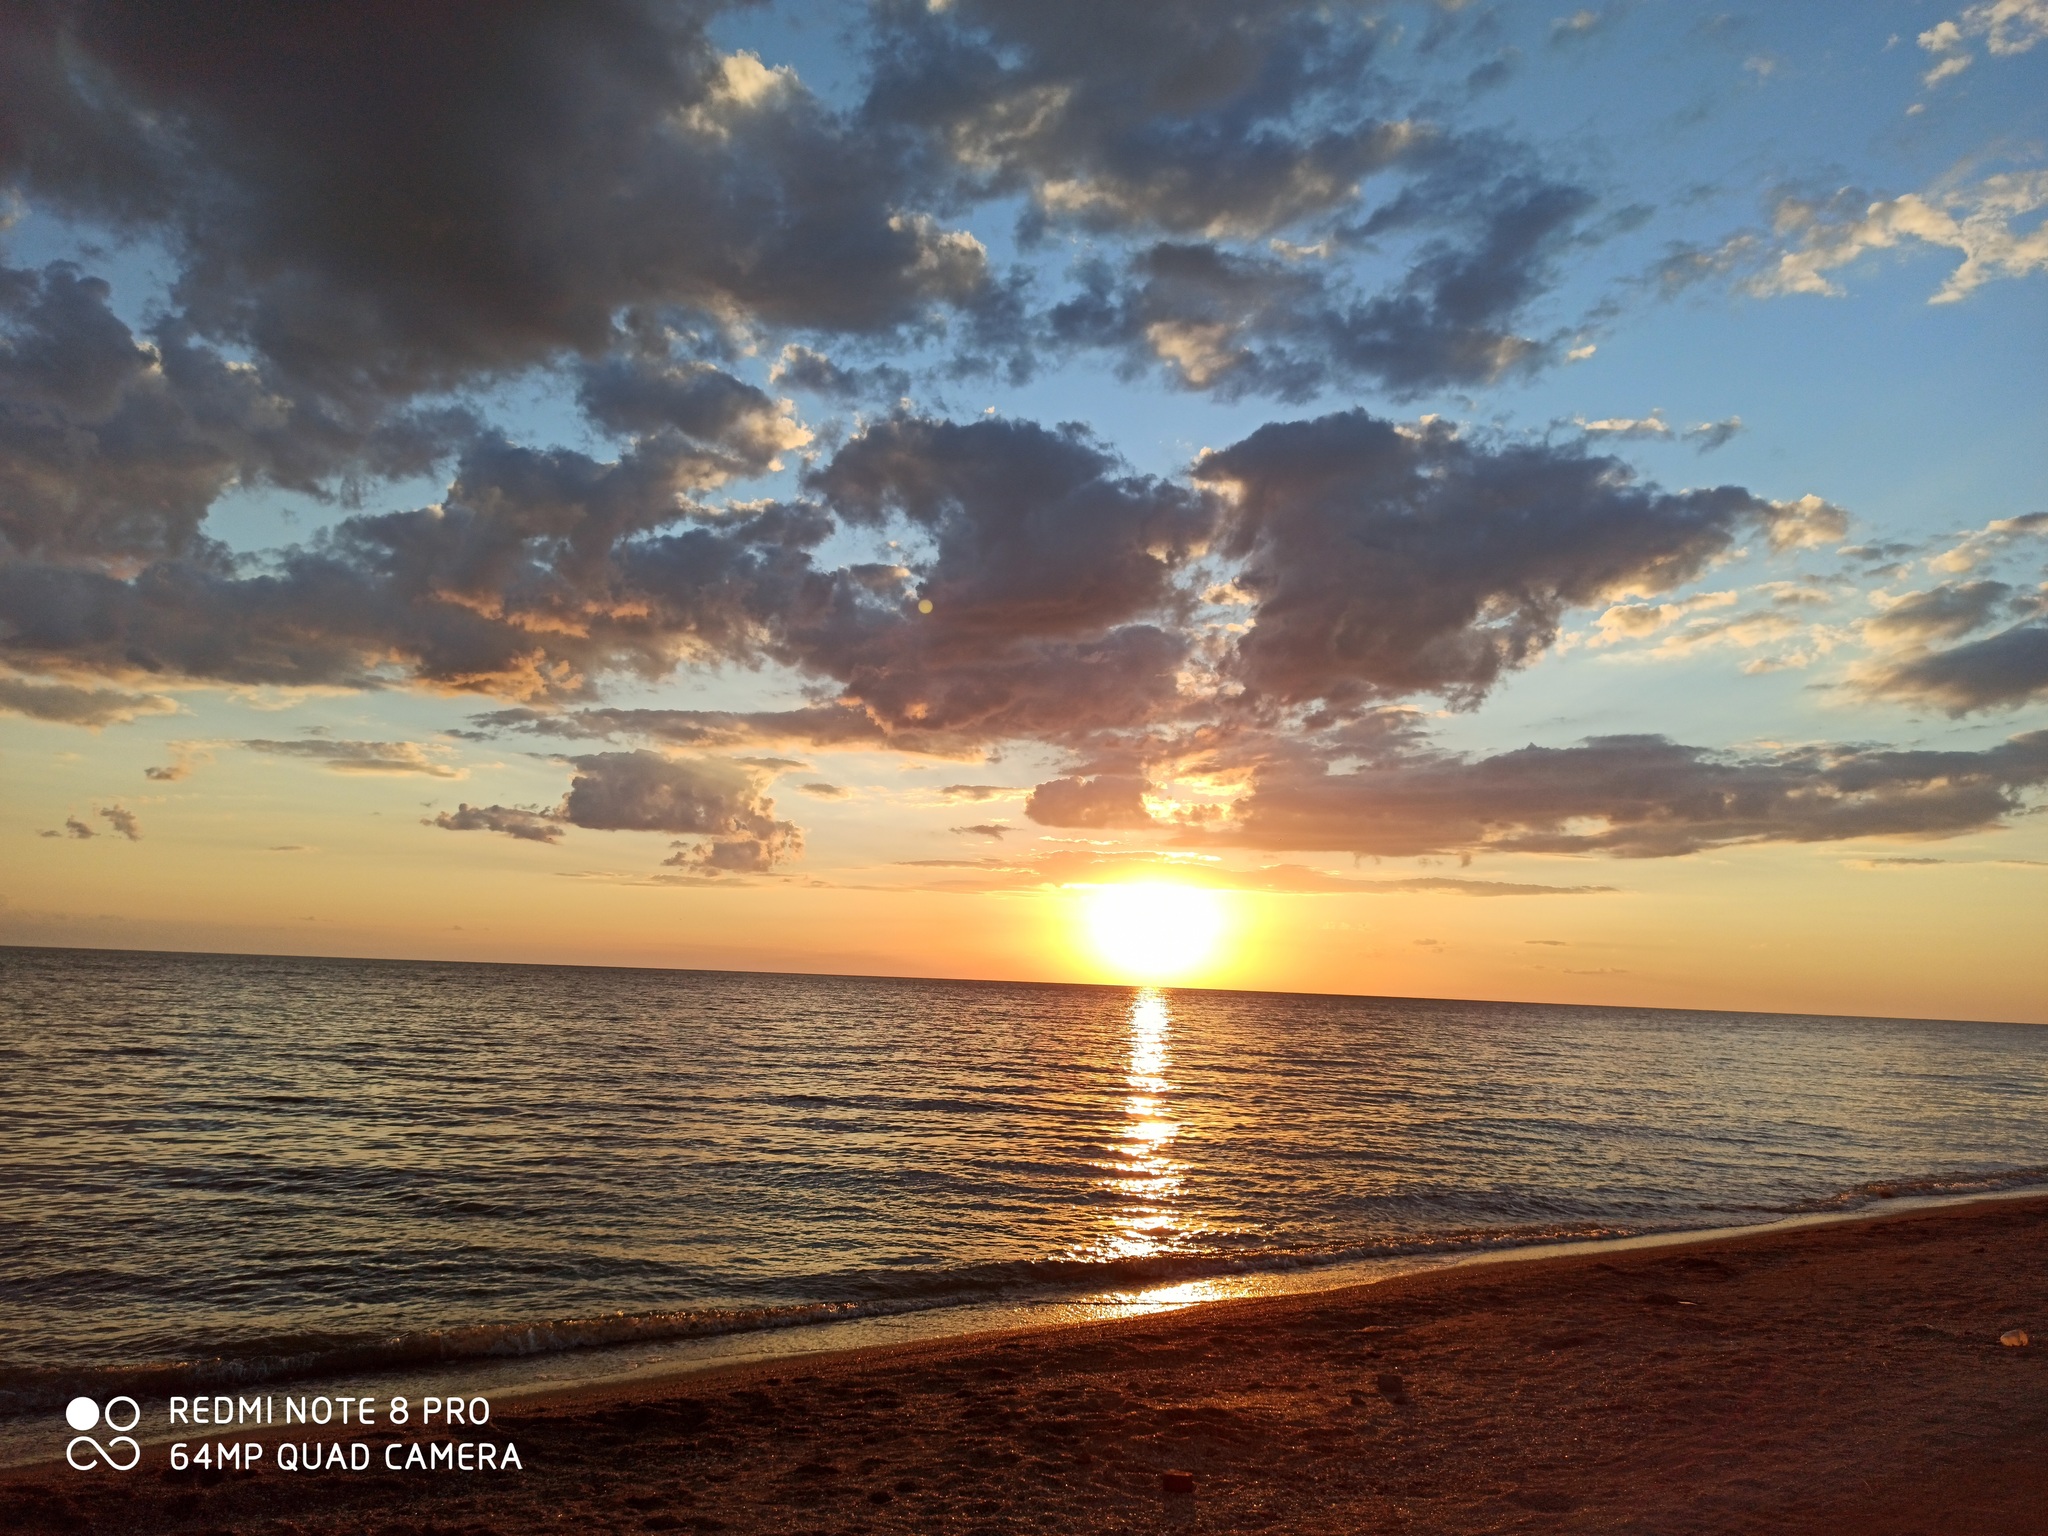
(1497, 501)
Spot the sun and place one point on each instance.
(1154, 931)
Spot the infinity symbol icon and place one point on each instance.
(84, 1413)
(106, 1451)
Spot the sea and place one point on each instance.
(223, 1170)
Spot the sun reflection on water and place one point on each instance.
(1142, 1174)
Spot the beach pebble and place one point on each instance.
(1176, 1482)
(2014, 1338)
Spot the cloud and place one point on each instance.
(527, 826)
(1706, 437)
(826, 791)
(2003, 670)
(381, 203)
(1815, 237)
(1576, 27)
(1237, 324)
(1192, 116)
(989, 829)
(1107, 800)
(2008, 27)
(360, 756)
(801, 368)
(1941, 613)
(1989, 542)
(977, 792)
(537, 569)
(1080, 867)
(114, 446)
(717, 800)
(1048, 565)
(1709, 435)
(742, 426)
(1633, 621)
(1389, 560)
(1626, 428)
(1631, 797)
(66, 704)
(123, 821)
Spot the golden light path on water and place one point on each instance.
(1143, 1173)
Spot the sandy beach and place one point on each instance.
(1842, 1378)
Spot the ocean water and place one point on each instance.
(218, 1168)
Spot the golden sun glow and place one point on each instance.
(1155, 931)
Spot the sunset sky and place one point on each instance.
(1512, 502)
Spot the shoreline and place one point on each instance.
(1839, 1372)
(601, 1368)
(632, 1363)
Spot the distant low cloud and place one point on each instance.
(123, 821)
(1632, 797)
(525, 825)
(361, 756)
(1078, 867)
(977, 792)
(994, 830)
(66, 704)
(1107, 800)
(717, 800)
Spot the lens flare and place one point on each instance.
(1155, 931)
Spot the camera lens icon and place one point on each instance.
(84, 1452)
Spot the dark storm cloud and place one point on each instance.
(1194, 116)
(1037, 532)
(1388, 560)
(1633, 797)
(1043, 562)
(2000, 671)
(538, 569)
(718, 801)
(1243, 324)
(526, 826)
(114, 446)
(391, 199)
(744, 427)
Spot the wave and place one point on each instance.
(1859, 1196)
(26, 1389)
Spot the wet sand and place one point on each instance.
(1837, 1379)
